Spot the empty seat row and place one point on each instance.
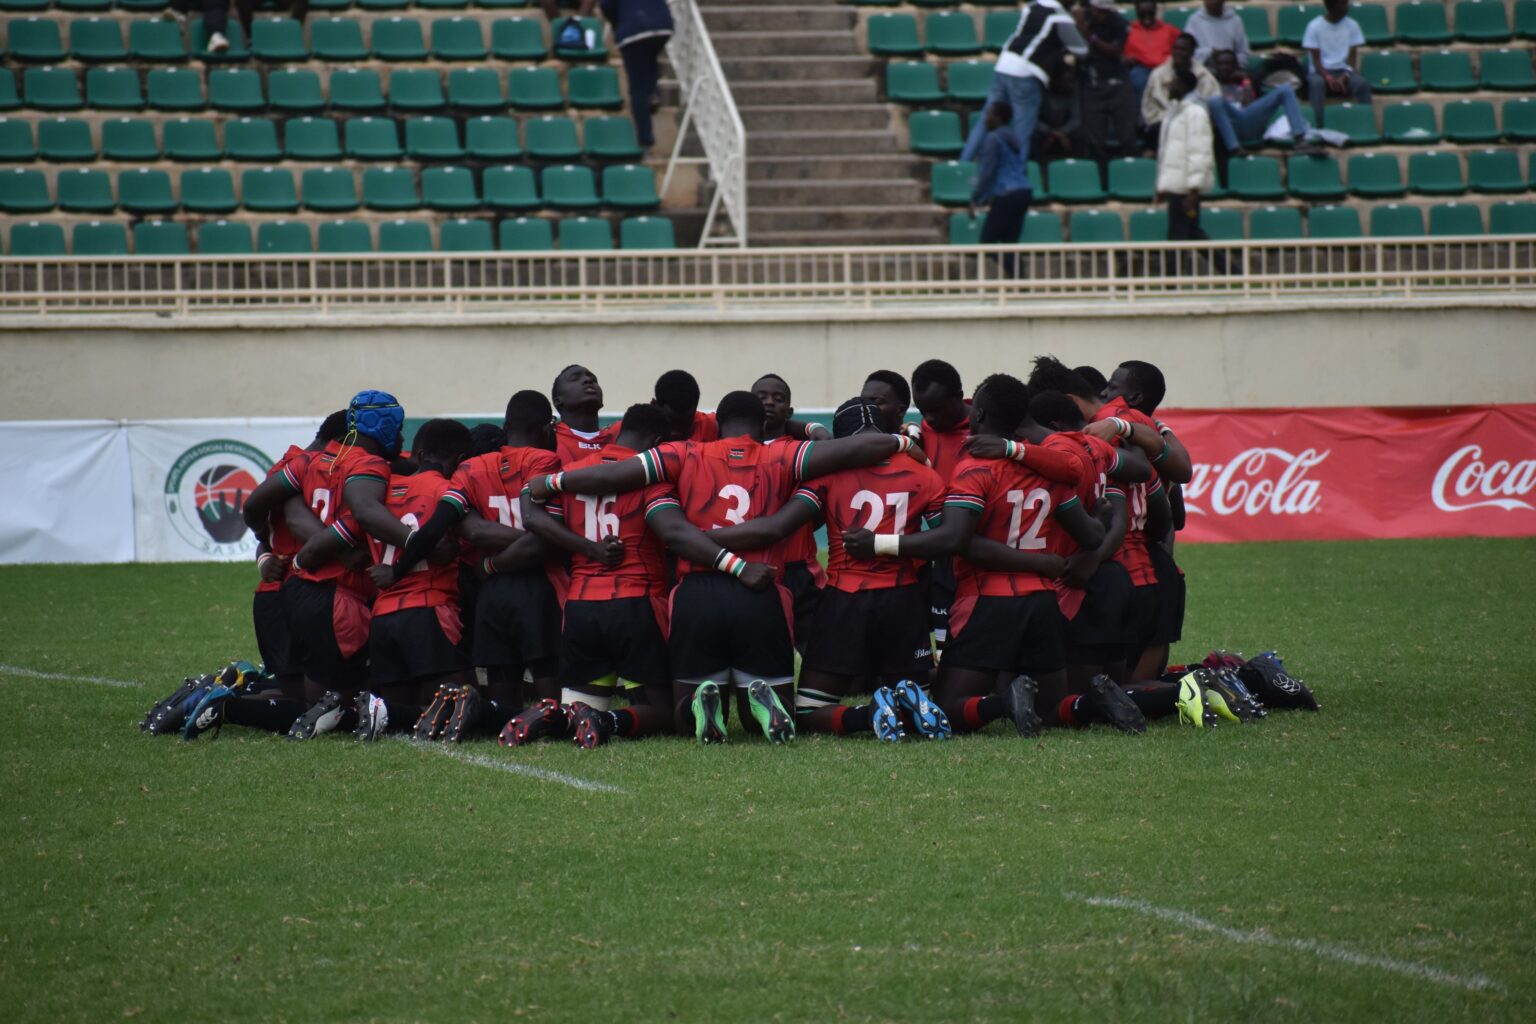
(283, 40)
(146, 192)
(87, 6)
(246, 139)
(300, 90)
(1270, 223)
(235, 238)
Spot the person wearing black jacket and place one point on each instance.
(641, 29)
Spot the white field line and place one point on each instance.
(27, 673)
(1259, 937)
(513, 768)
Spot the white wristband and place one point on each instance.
(887, 544)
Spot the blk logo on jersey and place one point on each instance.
(205, 493)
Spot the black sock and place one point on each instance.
(990, 708)
(625, 722)
(273, 713)
(1156, 700)
(859, 719)
(402, 716)
(494, 716)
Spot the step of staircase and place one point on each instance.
(807, 44)
(839, 193)
(861, 165)
(761, 17)
(740, 70)
(805, 91)
(847, 224)
(829, 118)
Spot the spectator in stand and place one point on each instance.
(641, 29)
(1156, 100)
(1185, 161)
(1109, 106)
(1148, 44)
(1002, 179)
(1333, 40)
(246, 10)
(1038, 46)
(1060, 120)
(569, 35)
(215, 15)
(1237, 116)
(1217, 28)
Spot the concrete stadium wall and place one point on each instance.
(1408, 352)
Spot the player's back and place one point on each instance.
(1016, 507)
(323, 483)
(280, 539)
(492, 484)
(1132, 552)
(412, 500)
(643, 572)
(892, 498)
(726, 482)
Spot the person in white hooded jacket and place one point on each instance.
(1186, 158)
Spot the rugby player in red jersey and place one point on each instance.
(803, 574)
(888, 390)
(578, 398)
(677, 396)
(945, 425)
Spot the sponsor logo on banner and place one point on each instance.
(1465, 481)
(205, 494)
(1258, 481)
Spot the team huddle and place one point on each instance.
(1008, 556)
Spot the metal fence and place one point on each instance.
(709, 110)
(719, 279)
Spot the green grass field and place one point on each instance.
(1373, 861)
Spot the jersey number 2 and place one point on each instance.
(871, 501)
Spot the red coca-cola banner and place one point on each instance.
(1348, 474)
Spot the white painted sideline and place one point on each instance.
(17, 670)
(1259, 937)
(513, 768)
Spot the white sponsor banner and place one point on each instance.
(65, 492)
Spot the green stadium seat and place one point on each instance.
(457, 38)
(1133, 179)
(382, 5)
(57, 88)
(1372, 19)
(399, 39)
(75, 6)
(433, 138)
(599, 51)
(1275, 224)
(278, 41)
(284, 237)
(1481, 21)
(1291, 22)
(952, 182)
(372, 138)
(1255, 19)
(99, 238)
(1422, 23)
(329, 190)
(1455, 219)
(198, 37)
(311, 138)
(415, 90)
(23, 190)
(1470, 121)
(1525, 19)
(235, 90)
(358, 90)
(1389, 71)
(158, 41)
(594, 88)
(35, 40)
(630, 187)
(996, 27)
(1147, 226)
(1075, 181)
(16, 145)
(585, 234)
(647, 233)
(296, 91)
(952, 33)
(1512, 218)
(525, 234)
(405, 236)
(390, 188)
(1357, 120)
(208, 190)
(912, 82)
(35, 238)
(1434, 174)
(964, 229)
(224, 238)
(935, 132)
(86, 191)
(337, 39)
(145, 191)
(344, 236)
(251, 140)
(173, 89)
(1494, 171)
(1447, 71)
(465, 236)
(1222, 224)
(1042, 227)
(10, 99)
(1396, 221)
(161, 238)
(1409, 124)
(569, 187)
(28, 6)
(968, 81)
(1334, 222)
(1375, 175)
(1506, 70)
(475, 89)
(894, 35)
(131, 140)
(1255, 177)
(1092, 227)
(1314, 177)
(268, 190)
(511, 187)
(535, 89)
(112, 89)
(552, 137)
(1519, 119)
(192, 141)
(64, 140)
(611, 138)
(493, 138)
(1178, 17)
(518, 39)
(94, 39)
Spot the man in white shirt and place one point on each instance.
(1333, 41)
(1038, 47)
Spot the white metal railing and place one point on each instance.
(710, 110)
(894, 277)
